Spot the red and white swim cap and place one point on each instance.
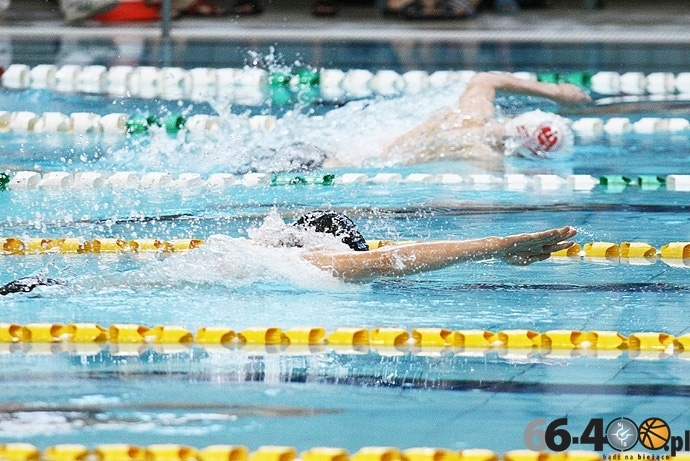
(538, 134)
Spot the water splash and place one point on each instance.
(274, 232)
(224, 261)
(233, 263)
(355, 135)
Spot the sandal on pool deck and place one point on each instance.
(246, 8)
(324, 8)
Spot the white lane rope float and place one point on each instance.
(257, 86)
(129, 180)
(120, 123)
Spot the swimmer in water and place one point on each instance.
(26, 284)
(470, 131)
(362, 264)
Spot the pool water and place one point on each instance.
(352, 396)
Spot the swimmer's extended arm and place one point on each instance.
(449, 132)
(397, 260)
(478, 98)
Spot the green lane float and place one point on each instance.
(582, 79)
(279, 88)
(174, 123)
(307, 76)
(647, 181)
(298, 85)
(140, 123)
(4, 181)
(614, 181)
(296, 179)
(308, 84)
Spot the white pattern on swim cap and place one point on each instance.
(538, 134)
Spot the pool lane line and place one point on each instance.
(138, 124)
(535, 354)
(287, 85)
(136, 336)
(618, 105)
(514, 386)
(123, 124)
(300, 375)
(468, 208)
(431, 210)
(179, 452)
(229, 408)
(675, 253)
(130, 180)
(633, 287)
(71, 245)
(116, 352)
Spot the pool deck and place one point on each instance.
(564, 21)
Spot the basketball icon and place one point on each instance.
(654, 433)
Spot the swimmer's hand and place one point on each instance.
(571, 94)
(524, 249)
(26, 284)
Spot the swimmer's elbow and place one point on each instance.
(486, 79)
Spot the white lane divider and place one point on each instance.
(122, 123)
(254, 86)
(32, 180)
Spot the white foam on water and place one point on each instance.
(355, 134)
(231, 262)
(272, 256)
(274, 232)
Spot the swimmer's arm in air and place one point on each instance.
(473, 115)
(478, 99)
(400, 260)
(26, 284)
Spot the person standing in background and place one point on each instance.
(75, 11)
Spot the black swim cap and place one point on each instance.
(336, 224)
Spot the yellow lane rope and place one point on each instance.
(70, 245)
(177, 452)
(677, 250)
(348, 337)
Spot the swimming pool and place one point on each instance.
(463, 358)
